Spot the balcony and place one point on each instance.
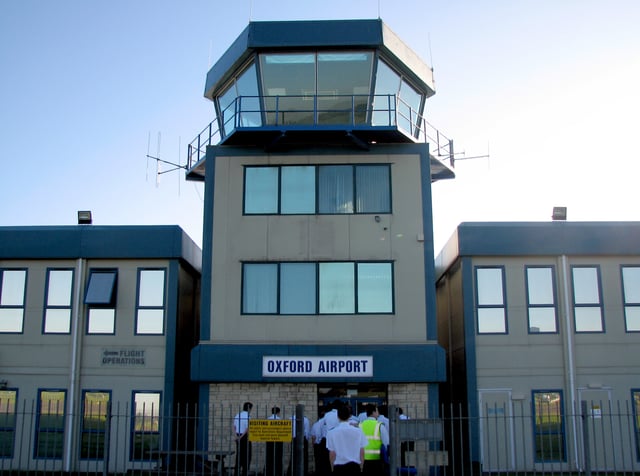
(281, 122)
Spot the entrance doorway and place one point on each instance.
(356, 395)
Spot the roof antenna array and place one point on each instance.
(160, 161)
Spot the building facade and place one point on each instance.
(96, 325)
(537, 320)
(318, 269)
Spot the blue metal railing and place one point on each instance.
(317, 111)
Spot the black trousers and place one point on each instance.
(243, 455)
(349, 469)
(273, 459)
(373, 467)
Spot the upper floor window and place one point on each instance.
(7, 422)
(12, 297)
(549, 437)
(95, 418)
(145, 427)
(150, 308)
(587, 302)
(100, 298)
(57, 309)
(631, 297)
(50, 424)
(324, 189)
(317, 288)
(541, 299)
(490, 300)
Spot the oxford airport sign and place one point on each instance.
(317, 366)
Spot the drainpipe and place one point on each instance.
(74, 372)
(569, 350)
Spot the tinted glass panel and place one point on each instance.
(12, 290)
(261, 190)
(631, 283)
(101, 321)
(146, 426)
(335, 189)
(50, 430)
(59, 292)
(549, 427)
(372, 188)
(101, 288)
(298, 189)
(7, 422)
(249, 106)
(585, 286)
(151, 288)
(343, 87)
(375, 287)
(150, 321)
(489, 286)
(260, 289)
(94, 424)
(337, 293)
(57, 321)
(588, 319)
(632, 316)
(540, 285)
(297, 288)
(11, 320)
(542, 319)
(491, 320)
(290, 81)
(387, 87)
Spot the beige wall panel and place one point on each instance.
(240, 238)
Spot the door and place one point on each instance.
(605, 439)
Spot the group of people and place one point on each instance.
(343, 444)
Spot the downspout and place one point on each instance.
(74, 376)
(569, 350)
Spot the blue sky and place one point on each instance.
(550, 88)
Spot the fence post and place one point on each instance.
(585, 438)
(107, 439)
(298, 469)
(394, 440)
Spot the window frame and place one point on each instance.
(355, 196)
(577, 305)
(46, 306)
(317, 264)
(503, 305)
(628, 304)
(554, 297)
(55, 430)
(22, 306)
(143, 434)
(83, 431)
(8, 422)
(161, 307)
(536, 433)
(101, 304)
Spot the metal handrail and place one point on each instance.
(259, 112)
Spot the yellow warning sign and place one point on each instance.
(278, 431)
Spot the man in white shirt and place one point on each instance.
(241, 435)
(346, 444)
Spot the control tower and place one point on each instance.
(318, 276)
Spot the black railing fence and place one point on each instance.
(512, 437)
(319, 111)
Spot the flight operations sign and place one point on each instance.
(305, 366)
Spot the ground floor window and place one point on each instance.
(635, 396)
(7, 422)
(95, 413)
(50, 424)
(548, 419)
(145, 428)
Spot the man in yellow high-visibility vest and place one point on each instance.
(377, 435)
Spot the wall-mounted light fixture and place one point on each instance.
(84, 217)
(559, 214)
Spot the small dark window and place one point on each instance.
(101, 290)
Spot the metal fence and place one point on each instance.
(513, 438)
